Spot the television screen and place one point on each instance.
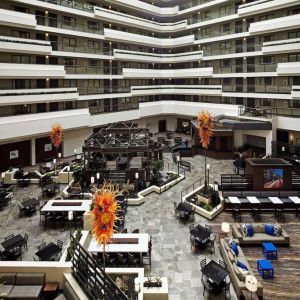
(273, 178)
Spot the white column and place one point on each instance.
(33, 161)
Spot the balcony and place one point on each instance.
(213, 90)
(121, 36)
(30, 71)
(271, 112)
(167, 73)
(16, 19)
(124, 19)
(249, 68)
(289, 68)
(190, 7)
(296, 92)
(282, 46)
(157, 58)
(18, 45)
(262, 6)
(97, 70)
(265, 89)
(278, 24)
(30, 96)
(231, 50)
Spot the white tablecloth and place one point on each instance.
(253, 200)
(275, 200)
(234, 200)
(295, 199)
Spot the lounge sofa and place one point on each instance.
(237, 278)
(259, 236)
(22, 286)
(68, 293)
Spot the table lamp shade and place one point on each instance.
(225, 227)
(70, 215)
(251, 283)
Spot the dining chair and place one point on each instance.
(9, 237)
(192, 215)
(133, 260)
(125, 230)
(42, 246)
(226, 287)
(207, 288)
(211, 243)
(122, 259)
(136, 231)
(21, 211)
(24, 245)
(175, 207)
(147, 256)
(60, 244)
(208, 227)
(191, 227)
(202, 264)
(110, 258)
(222, 264)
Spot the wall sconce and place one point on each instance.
(136, 175)
(98, 176)
(92, 180)
(59, 155)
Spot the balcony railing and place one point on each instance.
(191, 4)
(96, 110)
(210, 33)
(93, 70)
(258, 89)
(232, 49)
(80, 49)
(72, 4)
(70, 25)
(251, 68)
(270, 112)
(103, 90)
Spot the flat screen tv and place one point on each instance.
(273, 178)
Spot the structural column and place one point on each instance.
(33, 154)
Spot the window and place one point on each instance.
(20, 34)
(226, 100)
(267, 59)
(294, 57)
(226, 81)
(20, 9)
(225, 45)
(70, 83)
(93, 44)
(225, 27)
(294, 35)
(225, 63)
(205, 15)
(93, 63)
(266, 17)
(266, 38)
(70, 62)
(92, 25)
(225, 10)
(69, 105)
(69, 42)
(21, 84)
(268, 81)
(21, 59)
(68, 21)
(265, 102)
(295, 11)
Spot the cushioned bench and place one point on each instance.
(260, 236)
(26, 286)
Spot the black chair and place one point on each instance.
(60, 244)
(192, 215)
(175, 208)
(256, 215)
(110, 259)
(14, 253)
(147, 256)
(208, 227)
(222, 264)
(125, 230)
(122, 259)
(236, 213)
(24, 245)
(42, 246)
(202, 264)
(211, 243)
(226, 287)
(279, 213)
(133, 260)
(21, 211)
(136, 231)
(207, 288)
(191, 227)
(9, 237)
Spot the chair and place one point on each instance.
(110, 259)
(202, 265)
(211, 243)
(125, 230)
(191, 227)
(175, 207)
(236, 213)
(192, 215)
(60, 244)
(136, 231)
(14, 253)
(207, 288)
(9, 237)
(279, 213)
(42, 246)
(256, 213)
(122, 259)
(208, 227)
(147, 256)
(21, 211)
(133, 260)
(222, 264)
(226, 288)
(24, 245)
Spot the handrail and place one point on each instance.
(196, 184)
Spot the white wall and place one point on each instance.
(75, 139)
(171, 122)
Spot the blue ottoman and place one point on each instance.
(269, 251)
(265, 269)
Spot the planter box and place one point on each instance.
(157, 293)
(64, 176)
(9, 177)
(210, 215)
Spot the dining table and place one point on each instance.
(200, 233)
(32, 202)
(13, 242)
(49, 252)
(215, 273)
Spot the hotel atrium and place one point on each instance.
(185, 114)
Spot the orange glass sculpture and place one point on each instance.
(205, 128)
(56, 135)
(104, 213)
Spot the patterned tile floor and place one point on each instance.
(172, 255)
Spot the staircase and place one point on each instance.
(116, 176)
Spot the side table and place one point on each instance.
(265, 269)
(249, 296)
(269, 251)
(50, 290)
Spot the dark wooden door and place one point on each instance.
(162, 125)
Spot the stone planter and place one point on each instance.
(157, 293)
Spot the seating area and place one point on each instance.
(13, 246)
